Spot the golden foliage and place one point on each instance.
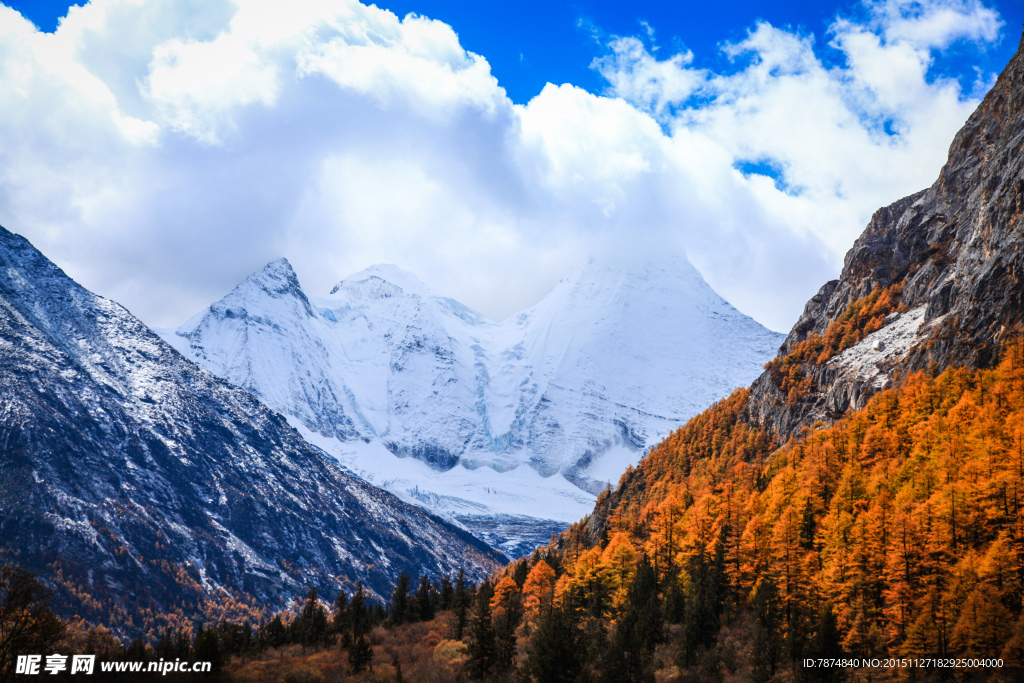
(861, 318)
(908, 515)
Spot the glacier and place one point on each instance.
(509, 428)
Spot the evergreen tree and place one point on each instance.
(767, 649)
(360, 618)
(340, 621)
(638, 631)
(424, 600)
(460, 604)
(481, 648)
(507, 612)
(137, 650)
(360, 654)
(519, 572)
(401, 608)
(446, 596)
(808, 526)
(555, 655)
(206, 648)
(310, 627)
(274, 633)
(824, 645)
(703, 601)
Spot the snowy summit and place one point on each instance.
(509, 428)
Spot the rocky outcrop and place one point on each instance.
(956, 249)
(135, 483)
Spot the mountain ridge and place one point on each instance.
(137, 483)
(953, 249)
(862, 498)
(572, 388)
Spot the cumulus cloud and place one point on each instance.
(160, 150)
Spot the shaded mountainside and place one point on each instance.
(138, 483)
(952, 257)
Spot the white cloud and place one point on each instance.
(161, 150)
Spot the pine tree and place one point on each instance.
(206, 648)
(638, 630)
(460, 605)
(767, 649)
(340, 621)
(360, 618)
(520, 571)
(275, 632)
(482, 649)
(507, 611)
(360, 654)
(401, 608)
(704, 600)
(310, 627)
(424, 600)
(446, 596)
(555, 655)
(824, 645)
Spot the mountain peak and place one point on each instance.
(276, 277)
(276, 280)
(154, 448)
(389, 273)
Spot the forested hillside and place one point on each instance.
(896, 532)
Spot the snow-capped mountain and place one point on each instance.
(510, 428)
(132, 480)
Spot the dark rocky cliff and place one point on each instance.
(955, 252)
(136, 483)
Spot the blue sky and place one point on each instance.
(161, 150)
(531, 42)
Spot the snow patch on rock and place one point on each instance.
(866, 360)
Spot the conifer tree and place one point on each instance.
(538, 588)
(704, 601)
(555, 655)
(638, 630)
(460, 605)
(520, 571)
(275, 633)
(446, 596)
(402, 610)
(360, 652)
(824, 645)
(481, 648)
(310, 627)
(507, 611)
(339, 620)
(205, 647)
(767, 648)
(424, 600)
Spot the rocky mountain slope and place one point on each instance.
(134, 480)
(954, 254)
(895, 530)
(509, 428)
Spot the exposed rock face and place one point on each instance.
(147, 482)
(955, 247)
